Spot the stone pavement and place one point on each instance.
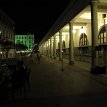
(50, 87)
(83, 65)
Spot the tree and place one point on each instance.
(20, 47)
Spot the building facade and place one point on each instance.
(6, 33)
(81, 32)
(27, 40)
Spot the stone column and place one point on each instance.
(94, 29)
(47, 48)
(71, 44)
(43, 48)
(40, 48)
(54, 47)
(60, 45)
(50, 47)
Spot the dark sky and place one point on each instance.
(33, 16)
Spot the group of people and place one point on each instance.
(20, 75)
(15, 77)
(21, 72)
(36, 55)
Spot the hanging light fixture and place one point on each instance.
(82, 30)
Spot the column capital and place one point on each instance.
(71, 22)
(60, 30)
(95, 1)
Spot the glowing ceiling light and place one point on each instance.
(82, 30)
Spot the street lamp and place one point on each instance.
(0, 57)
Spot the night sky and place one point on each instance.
(33, 16)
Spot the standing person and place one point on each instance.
(32, 57)
(38, 56)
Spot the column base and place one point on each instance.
(60, 59)
(98, 70)
(50, 56)
(54, 57)
(62, 69)
(71, 63)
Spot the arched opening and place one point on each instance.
(83, 41)
(83, 47)
(102, 35)
(102, 45)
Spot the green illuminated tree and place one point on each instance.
(20, 47)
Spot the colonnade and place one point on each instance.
(52, 45)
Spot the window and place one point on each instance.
(83, 40)
(18, 41)
(102, 36)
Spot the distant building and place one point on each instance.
(27, 40)
(6, 33)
